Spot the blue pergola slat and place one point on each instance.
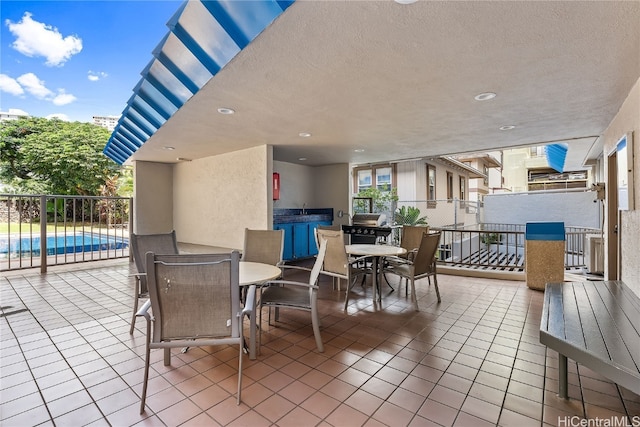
(238, 22)
(177, 72)
(164, 91)
(556, 155)
(194, 47)
(131, 127)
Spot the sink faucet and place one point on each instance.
(304, 209)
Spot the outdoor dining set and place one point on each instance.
(202, 299)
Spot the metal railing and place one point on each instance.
(502, 246)
(45, 230)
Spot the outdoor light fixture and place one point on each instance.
(168, 148)
(507, 127)
(485, 96)
(359, 150)
(224, 110)
(405, 1)
(304, 134)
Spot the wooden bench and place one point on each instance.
(596, 324)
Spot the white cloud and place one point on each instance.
(60, 116)
(94, 76)
(63, 98)
(9, 85)
(35, 38)
(33, 85)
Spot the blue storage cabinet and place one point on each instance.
(299, 239)
(287, 252)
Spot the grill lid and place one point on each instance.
(369, 219)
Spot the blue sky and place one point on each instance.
(76, 59)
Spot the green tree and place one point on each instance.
(383, 201)
(38, 155)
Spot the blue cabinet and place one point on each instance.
(299, 239)
(287, 253)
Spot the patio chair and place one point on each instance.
(297, 295)
(422, 265)
(338, 264)
(267, 247)
(195, 301)
(165, 243)
(410, 239)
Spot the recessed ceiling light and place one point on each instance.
(168, 148)
(302, 159)
(507, 127)
(304, 134)
(224, 110)
(485, 96)
(183, 159)
(359, 150)
(405, 1)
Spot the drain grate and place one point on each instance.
(8, 313)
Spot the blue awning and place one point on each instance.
(203, 37)
(556, 154)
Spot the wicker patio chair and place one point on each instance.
(165, 243)
(195, 301)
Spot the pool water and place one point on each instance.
(70, 243)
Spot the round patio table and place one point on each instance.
(377, 252)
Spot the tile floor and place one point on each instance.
(67, 359)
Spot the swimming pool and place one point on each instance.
(60, 244)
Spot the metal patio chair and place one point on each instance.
(164, 243)
(194, 301)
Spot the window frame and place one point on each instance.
(434, 186)
(449, 186)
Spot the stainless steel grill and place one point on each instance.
(367, 228)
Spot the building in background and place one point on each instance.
(13, 114)
(491, 167)
(527, 169)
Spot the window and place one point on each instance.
(364, 179)
(485, 170)
(380, 177)
(463, 187)
(536, 151)
(431, 182)
(449, 186)
(383, 179)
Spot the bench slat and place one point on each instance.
(571, 313)
(592, 334)
(599, 329)
(622, 338)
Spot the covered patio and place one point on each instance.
(474, 359)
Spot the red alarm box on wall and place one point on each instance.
(276, 186)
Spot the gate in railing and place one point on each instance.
(44, 230)
(501, 246)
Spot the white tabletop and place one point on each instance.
(252, 273)
(374, 250)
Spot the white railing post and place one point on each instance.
(43, 234)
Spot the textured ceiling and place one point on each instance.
(398, 81)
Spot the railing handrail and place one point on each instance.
(85, 228)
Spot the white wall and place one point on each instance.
(216, 198)
(318, 187)
(296, 185)
(628, 119)
(576, 209)
(152, 198)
